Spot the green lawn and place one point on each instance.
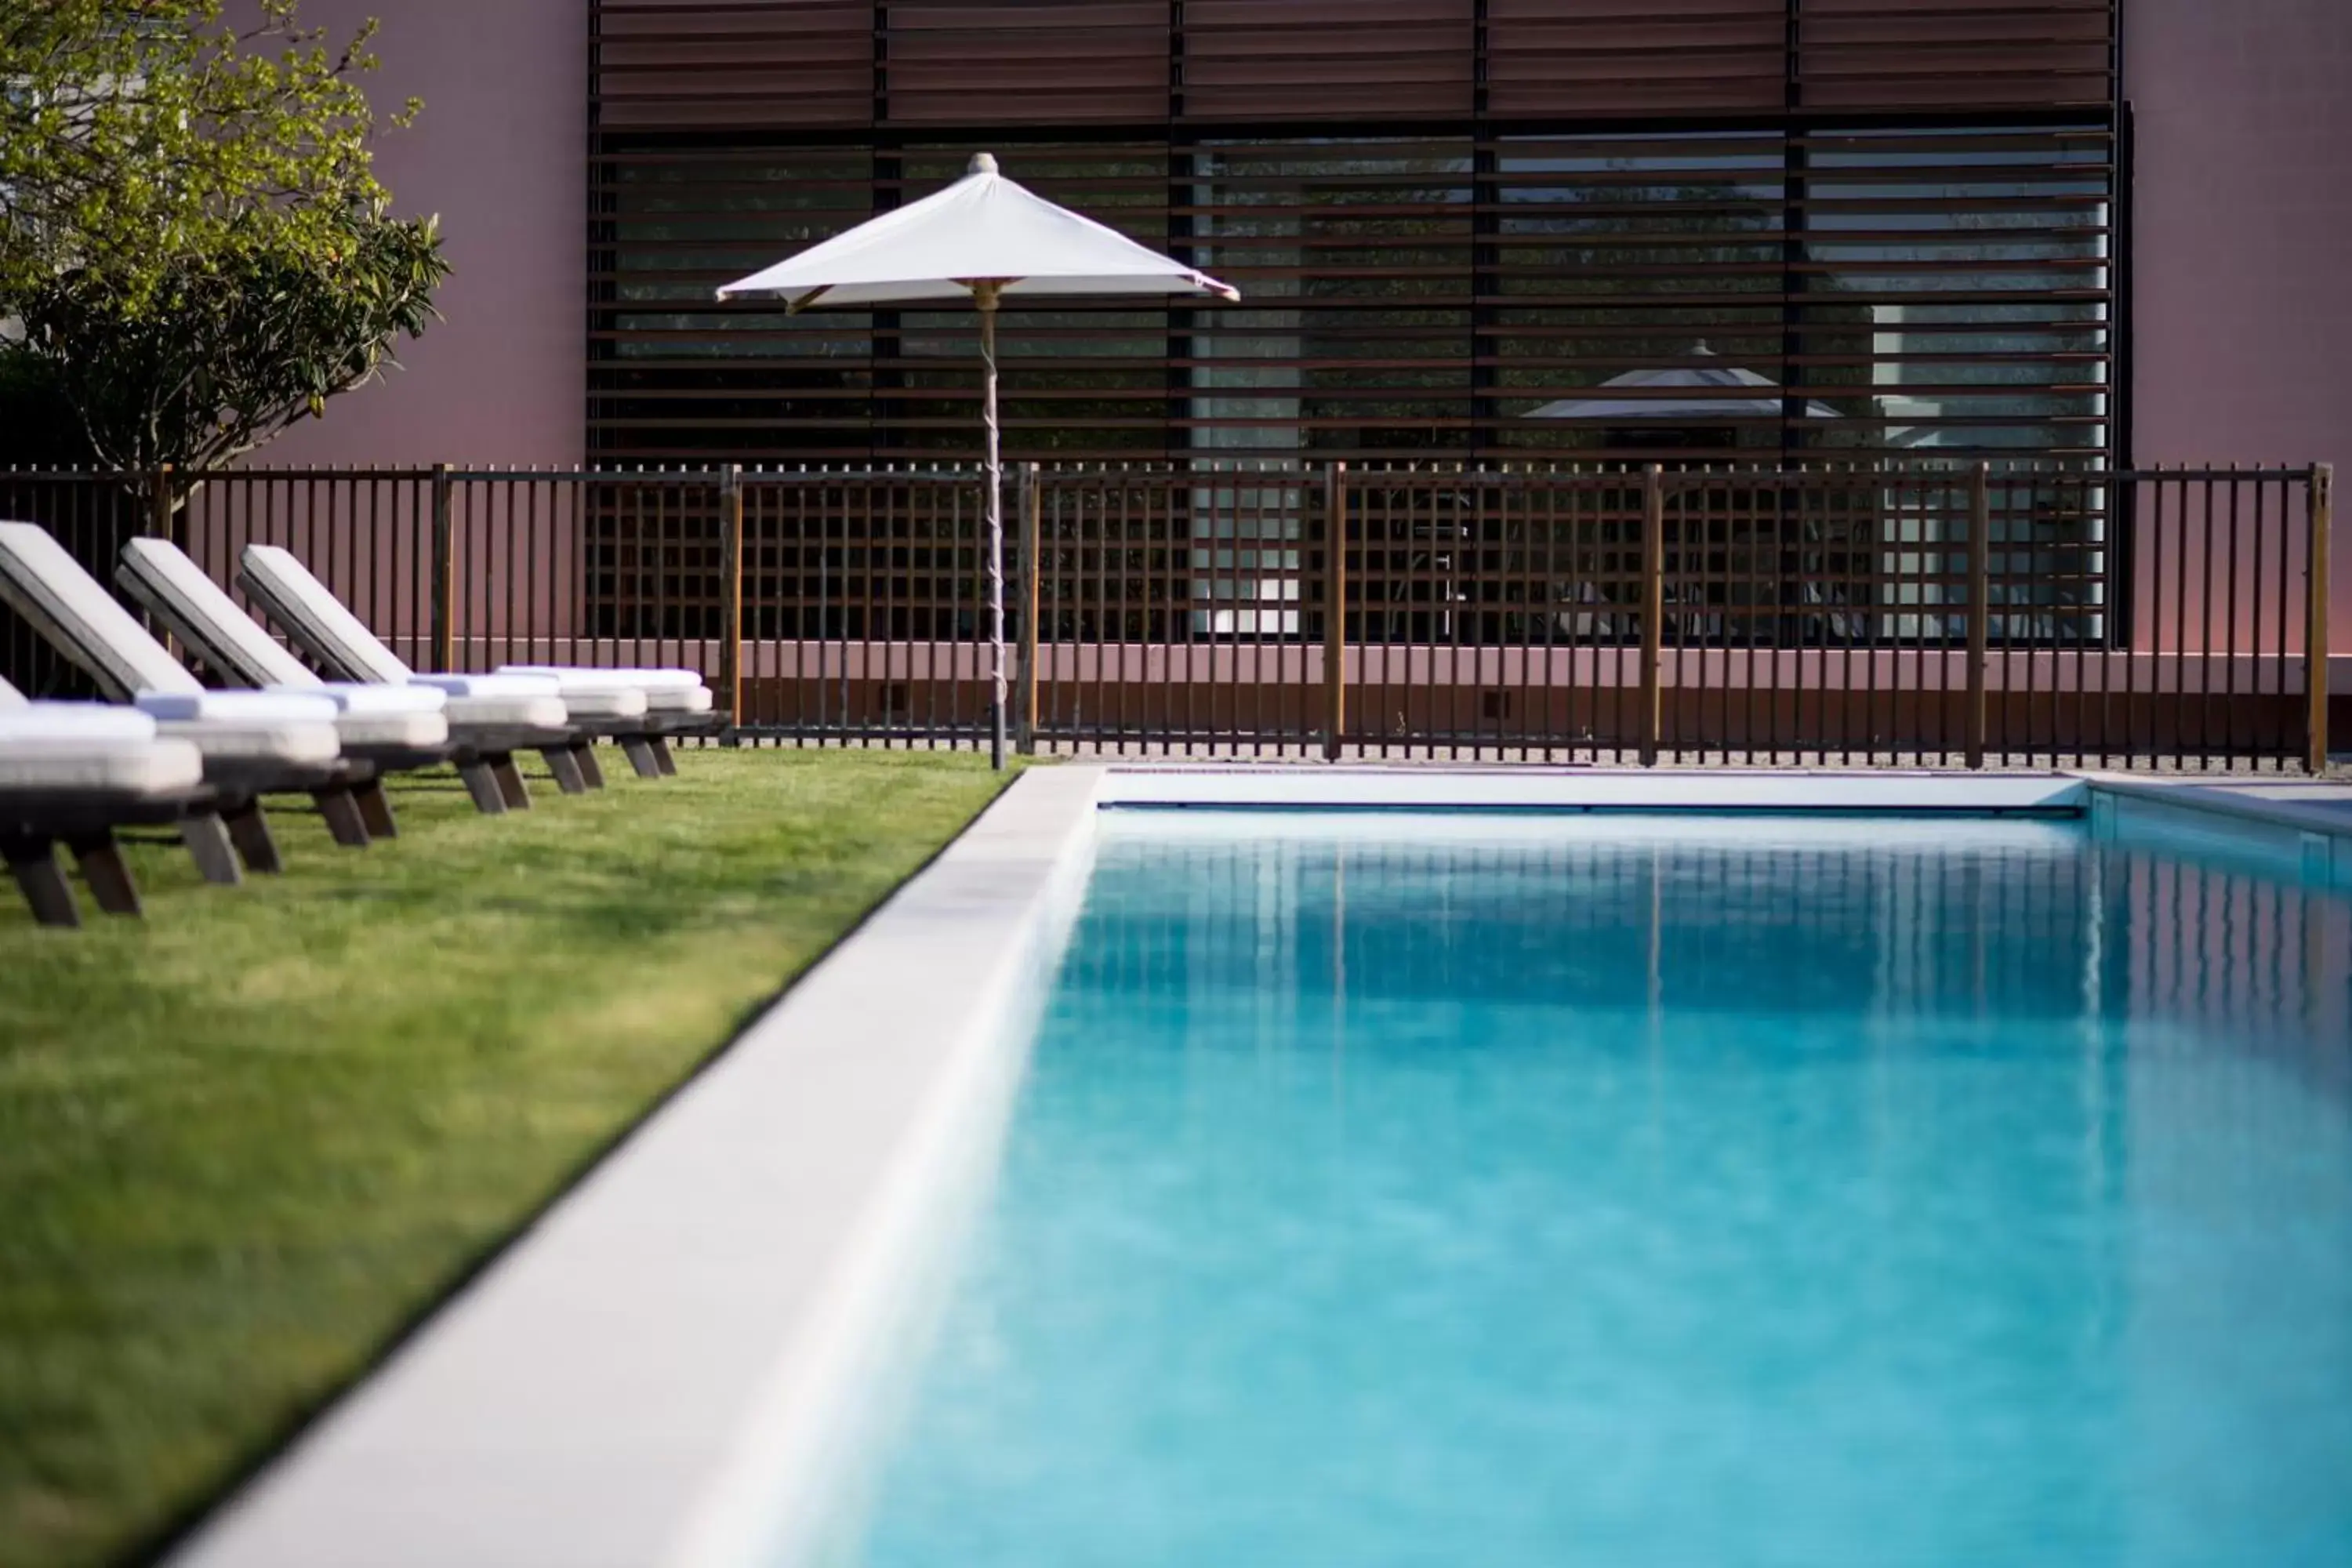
(246, 1142)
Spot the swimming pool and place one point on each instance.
(1635, 1190)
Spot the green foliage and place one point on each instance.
(218, 353)
(136, 133)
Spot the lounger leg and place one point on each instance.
(566, 769)
(482, 784)
(209, 846)
(33, 863)
(668, 763)
(640, 752)
(100, 859)
(511, 789)
(248, 829)
(342, 815)
(375, 809)
(585, 754)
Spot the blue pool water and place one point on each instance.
(1631, 1191)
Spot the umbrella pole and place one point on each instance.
(984, 296)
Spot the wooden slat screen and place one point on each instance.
(1328, 59)
(1636, 57)
(676, 64)
(1501, 230)
(1954, 54)
(1009, 63)
(1042, 62)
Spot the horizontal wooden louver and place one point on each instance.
(1611, 58)
(1954, 54)
(675, 64)
(1048, 62)
(1307, 59)
(760, 64)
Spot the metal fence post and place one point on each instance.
(1335, 609)
(1654, 605)
(445, 574)
(1032, 505)
(730, 599)
(1979, 606)
(2319, 506)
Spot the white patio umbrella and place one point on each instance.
(987, 237)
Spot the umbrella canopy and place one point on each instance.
(984, 228)
(983, 238)
(1703, 390)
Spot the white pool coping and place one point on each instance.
(1586, 789)
(668, 1369)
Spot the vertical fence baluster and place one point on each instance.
(2318, 508)
(731, 603)
(1979, 606)
(1654, 605)
(445, 574)
(1032, 506)
(1335, 609)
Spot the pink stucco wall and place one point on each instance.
(499, 153)
(2243, 236)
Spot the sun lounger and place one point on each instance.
(483, 728)
(71, 773)
(317, 623)
(253, 742)
(678, 702)
(640, 709)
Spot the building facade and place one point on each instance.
(2086, 231)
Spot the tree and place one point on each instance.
(135, 133)
(216, 353)
(193, 248)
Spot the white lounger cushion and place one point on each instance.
(236, 707)
(73, 722)
(157, 570)
(697, 700)
(249, 726)
(50, 588)
(354, 697)
(94, 752)
(10, 698)
(317, 619)
(492, 685)
(666, 690)
(513, 711)
(409, 717)
(586, 699)
(651, 680)
(503, 702)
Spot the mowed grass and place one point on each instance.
(245, 1142)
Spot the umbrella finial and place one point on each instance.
(982, 163)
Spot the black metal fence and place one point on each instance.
(1918, 614)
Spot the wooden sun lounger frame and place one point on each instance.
(218, 831)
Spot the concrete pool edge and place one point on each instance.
(1525, 788)
(2310, 843)
(649, 1375)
